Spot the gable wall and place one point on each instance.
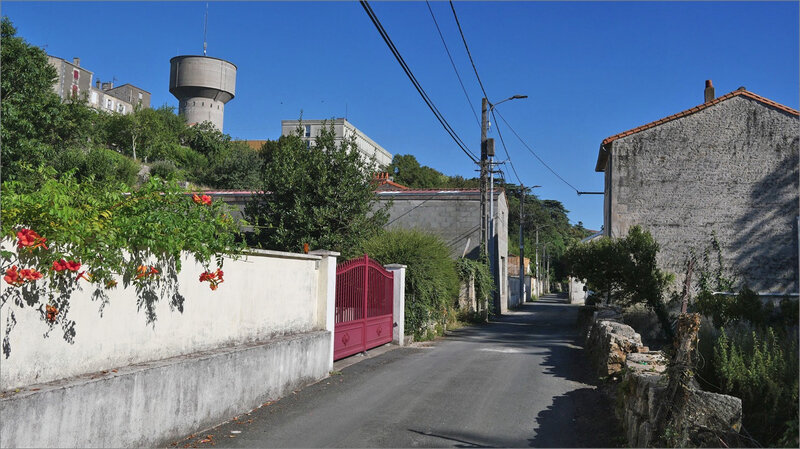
(730, 169)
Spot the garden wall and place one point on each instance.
(265, 331)
(616, 350)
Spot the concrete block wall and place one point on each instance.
(731, 169)
(455, 217)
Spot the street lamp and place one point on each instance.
(522, 243)
(487, 107)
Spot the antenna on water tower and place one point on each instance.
(205, 32)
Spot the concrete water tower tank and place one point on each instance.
(202, 86)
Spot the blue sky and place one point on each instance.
(590, 69)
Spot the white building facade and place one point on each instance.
(310, 129)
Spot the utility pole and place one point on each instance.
(484, 177)
(521, 247)
(537, 261)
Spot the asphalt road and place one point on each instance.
(521, 381)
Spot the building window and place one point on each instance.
(74, 90)
(76, 74)
(308, 130)
(109, 105)
(308, 144)
(140, 96)
(94, 97)
(121, 108)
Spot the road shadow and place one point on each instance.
(586, 410)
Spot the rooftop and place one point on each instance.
(603, 154)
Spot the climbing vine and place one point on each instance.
(60, 235)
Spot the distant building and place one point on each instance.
(455, 216)
(202, 85)
(727, 166)
(310, 129)
(74, 81)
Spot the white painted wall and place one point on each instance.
(263, 296)
(576, 293)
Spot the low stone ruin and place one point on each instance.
(651, 413)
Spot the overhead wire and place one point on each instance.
(536, 155)
(480, 83)
(448, 128)
(446, 49)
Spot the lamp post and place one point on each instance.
(486, 108)
(522, 243)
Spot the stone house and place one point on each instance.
(728, 166)
(72, 80)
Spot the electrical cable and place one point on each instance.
(536, 155)
(463, 39)
(448, 128)
(475, 113)
(480, 83)
(510, 163)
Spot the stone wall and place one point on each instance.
(731, 169)
(616, 350)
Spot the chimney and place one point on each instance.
(97, 83)
(709, 92)
(76, 61)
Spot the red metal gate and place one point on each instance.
(364, 303)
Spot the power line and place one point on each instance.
(500, 135)
(460, 31)
(536, 155)
(491, 109)
(471, 106)
(449, 129)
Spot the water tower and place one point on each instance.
(202, 85)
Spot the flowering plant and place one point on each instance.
(64, 232)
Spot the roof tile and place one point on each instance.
(720, 99)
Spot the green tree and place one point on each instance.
(146, 134)
(321, 195)
(29, 106)
(625, 271)
(407, 171)
(238, 168)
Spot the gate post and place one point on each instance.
(399, 302)
(326, 291)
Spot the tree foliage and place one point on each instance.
(110, 233)
(550, 218)
(624, 270)
(321, 196)
(39, 129)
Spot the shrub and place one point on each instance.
(238, 168)
(478, 272)
(761, 368)
(101, 164)
(71, 235)
(163, 169)
(431, 279)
